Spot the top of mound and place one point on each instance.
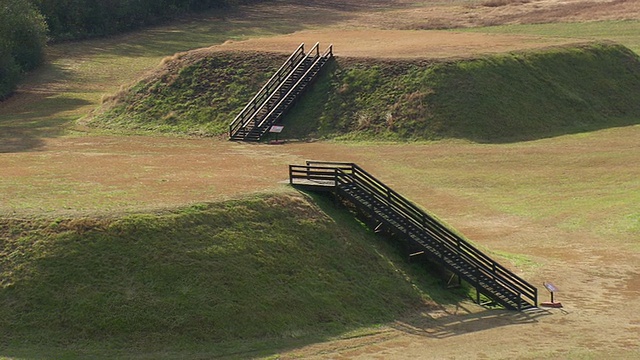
(490, 98)
(394, 44)
(370, 43)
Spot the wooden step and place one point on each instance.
(420, 236)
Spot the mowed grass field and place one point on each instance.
(562, 209)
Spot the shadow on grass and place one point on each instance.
(429, 278)
(41, 108)
(213, 28)
(42, 116)
(235, 279)
(440, 326)
(449, 325)
(553, 131)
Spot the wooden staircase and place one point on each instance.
(388, 210)
(273, 100)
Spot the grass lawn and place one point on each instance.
(575, 194)
(626, 33)
(78, 74)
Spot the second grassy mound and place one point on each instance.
(498, 98)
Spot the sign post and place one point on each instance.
(276, 129)
(552, 289)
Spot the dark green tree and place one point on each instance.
(78, 19)
(23, 36)
(24, 32)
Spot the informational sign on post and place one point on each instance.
(552, 289)
(276, 129)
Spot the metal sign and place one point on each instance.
(276, 129)
(552, 288)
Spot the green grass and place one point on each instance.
(199, 99)
(577, 183)
(78, 74)
(250, 275)
(72, 295)
(624, 32)
(498, 98)
(501, 98)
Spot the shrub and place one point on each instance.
(22, 41)
(9, 73)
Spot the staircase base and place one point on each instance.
(551, 304)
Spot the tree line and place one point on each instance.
(23, 36)
(27, 25)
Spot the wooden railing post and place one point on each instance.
(249, 111)
(519, 301)
(493, 273)
(483, 273)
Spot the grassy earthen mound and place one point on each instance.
(268, 267)
(492, 98)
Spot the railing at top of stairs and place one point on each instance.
(266, 91)
(328, 53)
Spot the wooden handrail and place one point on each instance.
(329, 51)
(263, 97)
(293, 59)
(252, 117)
(279, 88)
(440, 234)
(330, 163)
(295, 86)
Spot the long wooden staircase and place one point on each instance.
(272, 101)
(387, 210)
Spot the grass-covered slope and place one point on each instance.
(190, 93)
(271, 267)
(498, 98)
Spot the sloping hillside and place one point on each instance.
(269, 267)
(501, 98)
